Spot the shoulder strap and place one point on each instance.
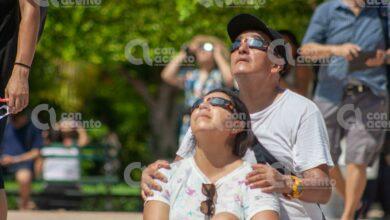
(264, 156)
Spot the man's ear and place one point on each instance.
(276, 69)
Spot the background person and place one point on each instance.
(212, 71)
(61, 166)
(217, 162)
(351, 36)
(21, 145)
(300, 76)
(66, 142)
(20, 24)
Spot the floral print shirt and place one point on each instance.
(183, 193)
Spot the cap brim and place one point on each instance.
(246, 22)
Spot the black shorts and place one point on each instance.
(7, 58)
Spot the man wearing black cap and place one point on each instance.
(289, 126)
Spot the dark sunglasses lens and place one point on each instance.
(256, 43)
(196, 104)
(218, 101)
(221, 103)
(236, 44)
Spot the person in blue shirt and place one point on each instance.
(19, 148)
(347, 38)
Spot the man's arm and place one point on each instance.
(30, 155)
(316, 185)
(315, 182)
(316, 51)
(311, 159)
(17, 89)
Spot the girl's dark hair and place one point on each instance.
(245, 138)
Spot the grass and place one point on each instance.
(123, 197)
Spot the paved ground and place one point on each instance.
(65, 215)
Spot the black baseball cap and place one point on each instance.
(247, 22)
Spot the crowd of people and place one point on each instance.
(28, 153)
(284, 145)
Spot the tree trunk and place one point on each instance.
(163, 116)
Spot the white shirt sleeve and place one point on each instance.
(187, 146)
(312, 143)
(256, 201)
(165, 193)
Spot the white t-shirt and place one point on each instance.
(293, 130)
(61, 168)
(183, 193)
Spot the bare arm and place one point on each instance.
(316, 185)
(28, 31)
(315, 181)
(156, 210)
(8, 160)
(17, 89)
(315, 51)
(32, 154)
(223, 66)
(169, 74)
(266, 215)
(83, 137)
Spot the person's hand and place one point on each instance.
(17, 89)
(149, 174)
(348, 51)
(378, 60)
(387, 57)
(7, 160)
(268, 179)
(193, 47)
(217, 52)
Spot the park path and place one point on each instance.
(66, 215)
